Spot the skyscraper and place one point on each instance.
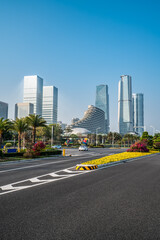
(102, 102)
(3, 110)
(125, 114)
(33, 92)
(23, 109)
(138, 113)
(50, 104)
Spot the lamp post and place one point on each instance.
(153, 130)
(144, 127)
(96, 135)
(113, 138)
(52, 129)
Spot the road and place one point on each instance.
(120, 202)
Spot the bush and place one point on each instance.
(53, 152)
(8, 145)
(156, 145)
(28, 155)
(38, 147)
(17, 154)
(139, 146)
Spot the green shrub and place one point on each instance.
(28, 155)
(8, 145)
(17, 154)
(53, 152)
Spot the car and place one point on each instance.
(57, 146)
(83, 148)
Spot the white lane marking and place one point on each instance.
(36, 181)
(7, 187)
(11, 188)
(69, 171)
(39, 165)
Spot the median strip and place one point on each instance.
(112, 159)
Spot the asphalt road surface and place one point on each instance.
(47, 199)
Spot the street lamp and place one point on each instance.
(153, 130)
(52, 135)
(96, 135)
(113, 137)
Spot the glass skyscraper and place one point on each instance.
(125, 113)
(3, 110)
(33, 92)
(23, 109)
(102, 102)
(138, 113)
(50, 104)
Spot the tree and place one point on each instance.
(57, 132)
(20, 126)
(148, 138)
(5, 125)
(110, 137)
(35, 121)
(129, 138)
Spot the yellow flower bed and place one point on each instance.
(117, 157)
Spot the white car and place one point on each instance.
(83, 148)
(57, 146)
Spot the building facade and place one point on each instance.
(23, 109)
(3, 110)
(125, 112)
(102, 102)
(50, 104)
(33, 92)
(74, 120)
(138, 112)
(93, 120)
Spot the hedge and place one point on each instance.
(55, 152)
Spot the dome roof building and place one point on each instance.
(93, 120)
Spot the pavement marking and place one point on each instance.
(33, 182)
(56, 176)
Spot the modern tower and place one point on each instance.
(50, 104)
(102, 102)
(33, 92)
(3, 110)
(138, 113)
(23, 109)
(125, 113)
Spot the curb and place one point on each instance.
(81, 167)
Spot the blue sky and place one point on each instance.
(78, 44)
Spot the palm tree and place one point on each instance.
(5, 125)
(20, 126)
(35, 121)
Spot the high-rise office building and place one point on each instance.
(3, 110)
(102, 102)
(125, 113)
(138, 113)
(50, 104)
(33, 92)
(23, 109)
